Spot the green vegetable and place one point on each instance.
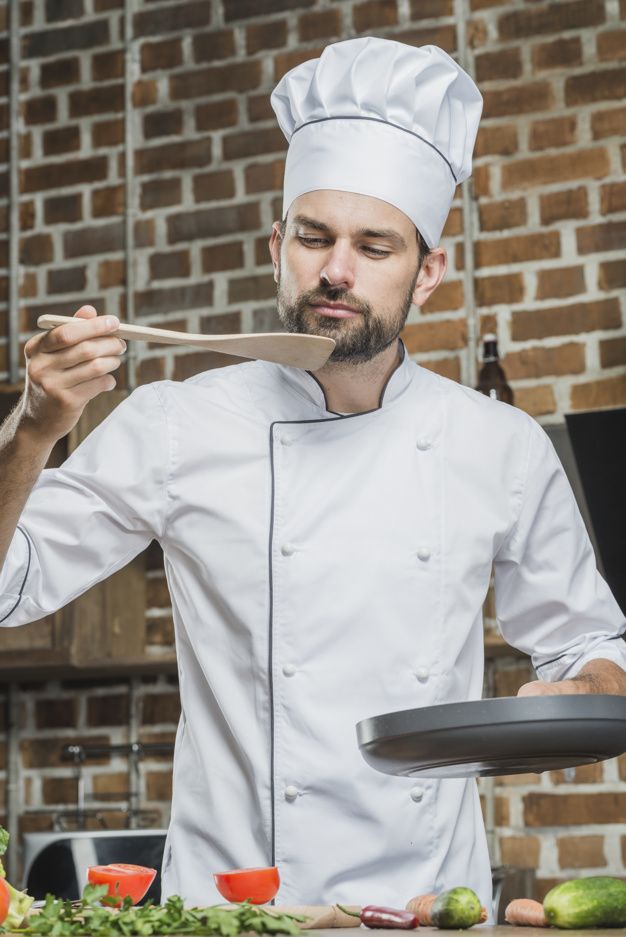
(20, 901)
(456, 908)
(91, 916)
(598, 901)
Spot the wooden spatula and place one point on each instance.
(308, 352)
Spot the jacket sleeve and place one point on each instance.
(551, 602)
(90, 517)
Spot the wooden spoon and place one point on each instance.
(308, 352)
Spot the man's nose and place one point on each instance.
(338, 271)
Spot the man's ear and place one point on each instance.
(431, 274)
(275, 243)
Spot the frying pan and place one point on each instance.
(509, 735)
(308, 352)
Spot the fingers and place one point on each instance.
(88, 350)
(90, 370)
(82, 328)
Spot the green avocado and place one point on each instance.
(456, 908)
(598, 901)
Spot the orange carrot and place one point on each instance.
(525, 913)
(421, 907)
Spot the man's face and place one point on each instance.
(346, 268)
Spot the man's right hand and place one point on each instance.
(65, 368)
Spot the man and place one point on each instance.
(328, 538)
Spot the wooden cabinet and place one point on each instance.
(101, 629)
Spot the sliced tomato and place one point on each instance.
(254, 885)
(123, 880)
(5, 900)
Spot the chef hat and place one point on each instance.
(380, 118)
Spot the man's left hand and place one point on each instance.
(598, 676)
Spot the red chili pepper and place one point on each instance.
(388, 918)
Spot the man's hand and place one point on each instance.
(598, 676)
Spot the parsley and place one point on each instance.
(90, 915)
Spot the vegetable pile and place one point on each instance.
(14, 904)
(597, 901)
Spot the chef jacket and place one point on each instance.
(323, 568)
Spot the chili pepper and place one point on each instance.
(388, 918)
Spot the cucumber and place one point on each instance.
(598, 901)
(456, 908)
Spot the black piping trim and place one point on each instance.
(377, 120)
(382, 393)
(19, 598)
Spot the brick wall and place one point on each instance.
(548, 224)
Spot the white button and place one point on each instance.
(287, 549)
(286, 440)
(422, 673)
(289, 670)
(424, 443)
(423, 553)
(291, 792)
(417, 794)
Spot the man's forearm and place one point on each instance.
(602, 676)
(22, 457)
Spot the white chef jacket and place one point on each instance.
(323, 569)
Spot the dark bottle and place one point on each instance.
(491, 378)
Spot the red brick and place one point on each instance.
(101, 239)
(95, 100)
(593, 395)
(543, 362)
(106, 786)
(55, 713)
(36, 249)
(174, 298)
(583, 774)
(324, 24)
(108, 710)
(454, 224)
(212, 115)
(212, 45)
(253, 143)
(220, 257)
(67, 280)
(556, 206)
(553, 18)
(374, 14)
(447, 367)
(106, 66)
(448, 297)
(59, 790)
(246, 289)
(58, 10)
(200, 82)
(111, 273)
(503, 290)
(159, 785)
(108, 201)
(481, 177)
(560, 167)
(560, 282)
(162, 124)
(149, 370)
(595, 86)
(188, 154)
(536, 401)
(59, 72)
(501, 65)
(611, 45)
(50, 175)
(172, 18)
(285, 61)
(47, 753)
(443, 36)
(517, 249)
(259, 108)
(159, 193)
(187, 365)
(48, 42)
(41, 110)
(561, 53)
(496, 216)
(574, 809)
(213, 186)
(144, 93)
(612, 275)
(557, 131)
(242, 9)
(166, 266)
(613, 352)
(613, 198)
(228, 323)
(581, 852)
(65, 208)
(161, 55)
(271, 34)
(213, 222)
(265, 177)
(518, 99)
(498, 139)
(108, 133)
(520, 851)
(608, 123)
(61, 140)
(610, 236)
(566, 320)
(432, 336)
(430, 9)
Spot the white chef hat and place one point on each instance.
(380, 118)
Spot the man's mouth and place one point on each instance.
(335, 310)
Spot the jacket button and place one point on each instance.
(291, 793)
(423, 443)
(287, 549)
(422, 673)
(289, 670)
(417, 794)
(423, 553)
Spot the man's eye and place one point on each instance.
(311, 241)
(375, 251)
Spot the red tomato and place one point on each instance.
(255, 885)
(123, 880)
(5, 900)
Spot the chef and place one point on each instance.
(328, 538)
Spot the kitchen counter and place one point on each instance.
(488, 930)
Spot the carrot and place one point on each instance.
(525, 913)
(421, 906)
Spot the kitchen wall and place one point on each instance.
(545, 232)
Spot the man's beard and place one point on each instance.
(357, 339)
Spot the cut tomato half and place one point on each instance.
(5, 900)
(254, 885)
(123, 880)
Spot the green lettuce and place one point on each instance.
(20, 902)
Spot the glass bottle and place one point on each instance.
(491, 379)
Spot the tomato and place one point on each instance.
(5, 900)
(255, 885)
(123, 880)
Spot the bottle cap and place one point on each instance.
(490, 337)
